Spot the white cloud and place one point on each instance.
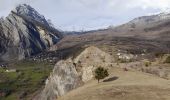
(87, 14)
(154, 4)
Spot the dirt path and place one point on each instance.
(120, 85)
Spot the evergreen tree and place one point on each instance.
(101, 73)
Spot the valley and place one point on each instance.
(40, 62)
(22, 79)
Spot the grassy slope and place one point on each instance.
(29, 79)
(130, 85)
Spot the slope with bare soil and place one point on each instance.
(121, 85)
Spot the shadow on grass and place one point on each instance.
(111, 79)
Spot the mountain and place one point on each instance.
(151, 27)
(146, 33)
(25, 32)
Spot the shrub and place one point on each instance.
(147, 63)
(167, 59)
(101, 73)
(159, 55)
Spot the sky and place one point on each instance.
(77, 15)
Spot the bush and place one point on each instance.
(167, 59)
(101, 73)
(159, 55)
(147, 63)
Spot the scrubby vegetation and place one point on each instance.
(167, 59)
(159, 54)
(29, 77)
(147, 63)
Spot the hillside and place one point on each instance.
(147, 33)
(121, 85)
(77, 72)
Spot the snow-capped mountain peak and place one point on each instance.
(28, 11)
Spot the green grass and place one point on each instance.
(10, 97)
(2, 70)
(30, 77)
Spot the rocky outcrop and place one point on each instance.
(72, 73)
(91, 58)
(63, 79)
(24, 32)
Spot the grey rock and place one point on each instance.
(24, 32)
(28, 11)
(63, 79)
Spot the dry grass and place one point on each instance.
(130, 85)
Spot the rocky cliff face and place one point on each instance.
(72, 73)
(24, 32)
(63, 79)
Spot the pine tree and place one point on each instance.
(101, 73)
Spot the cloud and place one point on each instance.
(89, 14)
(154, 4)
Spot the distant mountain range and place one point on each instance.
(25, 32)
(154, 26)
(150, 27)
(150, 33)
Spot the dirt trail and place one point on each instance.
(121, 85)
